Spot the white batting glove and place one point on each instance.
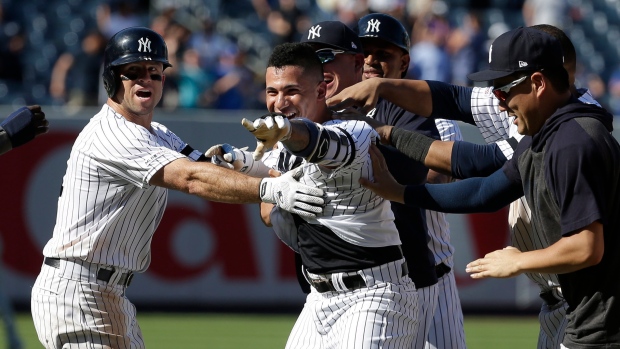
(269, 129)
(290, 195)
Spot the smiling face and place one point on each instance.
(295, 94)
(140, 90)
(383, 59)
(521, 102)
(344, 70)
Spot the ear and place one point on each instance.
(404, 62)
(540, 84)
(321, 90)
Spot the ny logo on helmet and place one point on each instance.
(373, 26)
(145, 45)
(314, 32)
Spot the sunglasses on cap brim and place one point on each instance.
(328, 54)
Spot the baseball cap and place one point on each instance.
(521, 49)
(333, 34)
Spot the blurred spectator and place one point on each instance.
(287, 22)
(552, 12)
(114, 15)
(12, 43)
(193, 81)
(613, 87)
(234, 87)
(465, 46)
(209, 44)
(73, 79)
(429, 60)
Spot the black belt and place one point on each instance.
(351, 282)
(549, 298)
(102, 274)
(442, 269)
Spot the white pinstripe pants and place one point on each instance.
(426, 310)
(553, 322)
(381, 315)
(72, 309)
(446, 330)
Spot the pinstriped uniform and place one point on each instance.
(107, 214)
(496, 126)
(446, 327)
(381, 314)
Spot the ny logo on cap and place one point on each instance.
(145, 45)
(373, 25)
(314, 32)
(490, 51)
(522, 64)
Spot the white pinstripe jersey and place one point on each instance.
(496, 126)
(108, 212)
(354, 213)
(438, 226)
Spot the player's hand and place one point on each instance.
(227, 156)
(363, 95)
(292, 196)
(269, 129)
(498, 264)
(384, 183)
(384, 131)
(24, 124)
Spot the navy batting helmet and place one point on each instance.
(131, 45)
(385, 27)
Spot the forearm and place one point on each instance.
(569, 254)
(411, 95)
(208, 181)
(472, 195)
(434, 154)
(300, 137)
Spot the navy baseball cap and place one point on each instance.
(521, 49)
(333, 34)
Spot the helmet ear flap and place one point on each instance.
(109, 81)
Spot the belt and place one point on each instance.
(351, 282)
(102, 274)
(442, 269)
(549, 298)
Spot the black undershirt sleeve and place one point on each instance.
(475, 160)
(480, 194)
(451, 102)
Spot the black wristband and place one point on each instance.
(413, 144)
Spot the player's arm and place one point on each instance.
(482, 194)
(215, 183)
(22, 126)
(326, 146)
(424, 98)
(584, 248)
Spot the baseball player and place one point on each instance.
(481, 107)
(342, 54)
(384, 38)
(113, 196)
(568, 170)
(361, 295)
(17, 129)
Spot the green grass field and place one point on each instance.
(228, 331)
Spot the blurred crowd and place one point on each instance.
(51, 50)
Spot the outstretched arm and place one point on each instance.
(425, 98)
(485, 194)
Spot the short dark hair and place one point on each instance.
(297, 54)
(558, 76)
(570, 56)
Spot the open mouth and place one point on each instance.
(143, 93)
